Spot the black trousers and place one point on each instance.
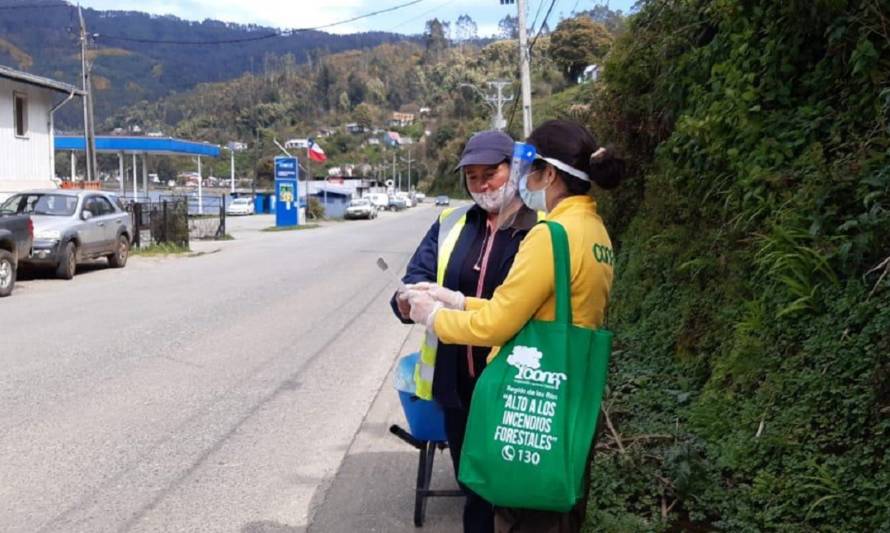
(478, 513)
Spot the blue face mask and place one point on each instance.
(534, 200)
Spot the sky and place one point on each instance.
(305, 13)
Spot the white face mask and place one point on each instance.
(492, 201)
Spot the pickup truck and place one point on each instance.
(16, 238)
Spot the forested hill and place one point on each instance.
(42, 37)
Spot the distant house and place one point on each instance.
(374, 140)
(591, 73)
(400, 120)
(392, 139)
(27, 153)
(355, 128)
(324, 132)
(406, 141)
(425, 111)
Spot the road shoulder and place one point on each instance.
(374, 488)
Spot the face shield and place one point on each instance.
(520, 165)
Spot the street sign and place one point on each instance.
(287, 205)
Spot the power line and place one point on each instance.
(531, 46)
(196, 43)
(281, 33)
(425, 13)
(537, 14)
(35, 6)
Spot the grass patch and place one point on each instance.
(160, 249)
(292, 228)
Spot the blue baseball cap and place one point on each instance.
(491, 147)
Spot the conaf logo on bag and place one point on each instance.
(527, 361)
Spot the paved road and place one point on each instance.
(220, 392)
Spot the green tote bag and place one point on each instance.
(534, 409)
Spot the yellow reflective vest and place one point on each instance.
(451, 223)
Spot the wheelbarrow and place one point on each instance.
(426, 433)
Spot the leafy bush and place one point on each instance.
(315, 209)
(751, 389)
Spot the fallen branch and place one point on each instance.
(666, 509)
(615, 436)
(885, 264)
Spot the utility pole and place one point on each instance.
(394, 169)
(495, 101)
(524, 73)
(89, 132)
(498, 122)
(409, 160)
(232, 166)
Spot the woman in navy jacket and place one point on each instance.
(479, 263)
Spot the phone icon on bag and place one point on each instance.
(508, 453)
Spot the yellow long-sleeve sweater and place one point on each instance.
(529, 290)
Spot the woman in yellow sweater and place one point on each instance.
(568, 160)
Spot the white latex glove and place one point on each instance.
(450, 299)
(423, 308)
(402, 296)
(421, 286)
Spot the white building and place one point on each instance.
(27, 104)
(297, 143)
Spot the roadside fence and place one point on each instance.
(176, 219)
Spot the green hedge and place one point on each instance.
(751, 391)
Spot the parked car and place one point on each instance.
(409, 201)
(397, 204)
(379, 199)
(240, 206)
(16, 236)
(74, 225)
(361, 208)
(420, 197)
(443, 200)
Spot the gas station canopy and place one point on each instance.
(139, 145)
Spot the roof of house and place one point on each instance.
(316, 188)
(25, 77)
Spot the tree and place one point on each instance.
(466, 28)
(363, 115)
(435, 39)
(578, 42)
(612, 20)
(356, 88)
(508, 27)
(343, 102)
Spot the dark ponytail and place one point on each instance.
(575, 146)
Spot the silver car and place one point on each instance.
(74, 225)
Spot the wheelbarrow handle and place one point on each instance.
(396, 430)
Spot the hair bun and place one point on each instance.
(606, 170)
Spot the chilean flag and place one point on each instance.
(316, 153)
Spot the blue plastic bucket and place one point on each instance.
(425, 418)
